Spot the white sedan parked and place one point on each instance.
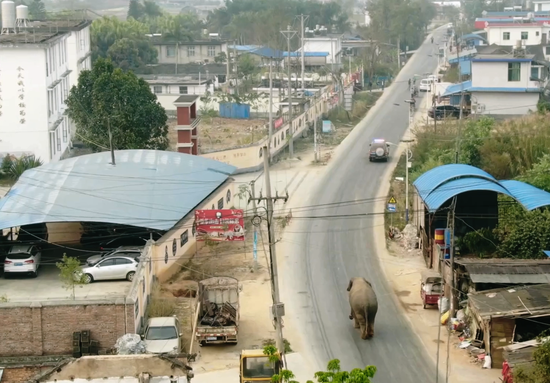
(111, 268)
(22, 259)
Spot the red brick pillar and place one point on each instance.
(37, 339)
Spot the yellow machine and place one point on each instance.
(256, 367)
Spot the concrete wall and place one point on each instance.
(47, 329)
(495, 35)
(507, 103)
(189, 52)
(166, 261)
(495, 75)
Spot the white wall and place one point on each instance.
(495, 35)
(28, 109)
(332, 45)
(180, 54)
(174, 90)
(506, 103)
(79, 46)
(541, 6)
(495, 74)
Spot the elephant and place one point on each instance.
(364, 306)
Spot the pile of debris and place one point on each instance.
(219, 315)
(409, 238)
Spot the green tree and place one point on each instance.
(472, 139)
(37, 10)
(131, 54)
(70, 273)
(524, 235)
(181, 27)
(136, 10)
(106, 31)
(246, 65)
(221, 58)
(539, 174)
(107, 97)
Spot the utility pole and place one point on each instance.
(270, 132)
(315, 148)
(453, 303)
(407, 158)
(111, 142)
(289, 34)
(228, 73)
(399, 53)
(255, 211)
(303, 20)
(236, 67)
(278, 307)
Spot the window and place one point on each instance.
(50, 103)
(122, 261)
(547, 51)
(64, 129)
(535, 72)
(58, 141)
(220, 203)
(183, 90)
(170, 51)
(514, 71)
(184, 238)
(190, 51)
(157, 89)
(211, 51)
(506, 35)
(524, 35)
(537, 33)
(108, 262)
(52, 145)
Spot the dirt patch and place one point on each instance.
(234, 260)
(216, 133)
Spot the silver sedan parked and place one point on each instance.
(111, 268)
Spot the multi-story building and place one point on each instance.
(512, 34)
(39, 63)
(505, 80)
(184, 52)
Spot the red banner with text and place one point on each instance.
(219, 225)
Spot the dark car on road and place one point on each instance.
(379, 150)
(446, 111)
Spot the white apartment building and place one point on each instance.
(38, 66)
(541, 5)
(328, 44)
(204, 51)
(512, 34)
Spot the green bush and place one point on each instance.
(527, 237)
(480, 242)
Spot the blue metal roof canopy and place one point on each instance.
(440, 184)
(146, 188)
(457, 88)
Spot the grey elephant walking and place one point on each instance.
(364, 306)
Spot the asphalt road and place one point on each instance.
(327, 252)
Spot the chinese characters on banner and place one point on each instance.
(21, 93)
(219, 225)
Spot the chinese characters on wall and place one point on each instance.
(21, 93)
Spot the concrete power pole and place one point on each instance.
(289, 34)
(278, 307)
(270, 131)
(303, 20)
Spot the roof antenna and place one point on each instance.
(111, 143)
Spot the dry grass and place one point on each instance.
(160, 305)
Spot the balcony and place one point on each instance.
(192, 125)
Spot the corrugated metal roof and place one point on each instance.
(472, 36)
(146, 188)
(512, 302)
(442, 183)
(510, 278)
(443, 193)
(457, 88)
(436, 177)
(528, 195)
(528, 273)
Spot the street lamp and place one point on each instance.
(408, 158)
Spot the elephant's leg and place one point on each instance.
(362, 326)
(356, 323)
(351, 316)
(370, 329)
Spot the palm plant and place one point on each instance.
(17, 166)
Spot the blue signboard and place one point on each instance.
(392, 208)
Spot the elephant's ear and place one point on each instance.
(350, 284)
